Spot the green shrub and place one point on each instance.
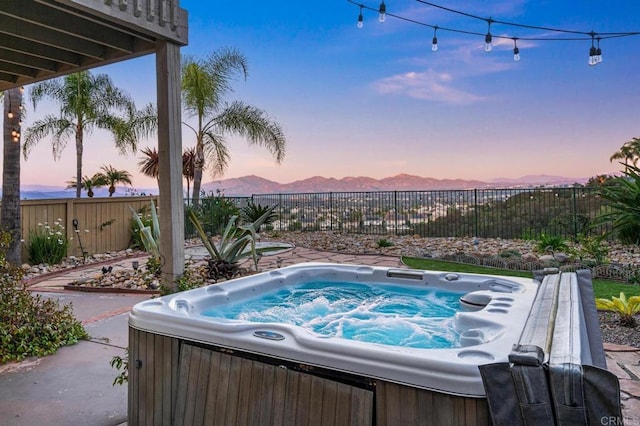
(383, 242)
(295, 226)
(29, 324)
(215, 211)
(551, 243)
(591, 248)
(190, 279)
(623, 196)
(121, 363)
(510, 254)
(48, 244)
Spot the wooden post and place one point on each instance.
(170, 162)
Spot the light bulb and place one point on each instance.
(434, 44)
(516, 54)
(592, 56)
(16, 139)
(360, 20)
(14, 133)
(21, 89)
(383, 12)
(488, 47)
(10, 114)
(598, 55)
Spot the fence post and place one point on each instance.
(475, 212)
(395, 212)
(575, 215)
(331, 211)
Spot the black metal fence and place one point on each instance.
(489, 213)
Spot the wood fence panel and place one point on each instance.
(104, 224)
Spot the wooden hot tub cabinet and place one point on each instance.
(178, 382)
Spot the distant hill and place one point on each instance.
(247, 185)
(252, 184)
(539, 180)
(43, 192)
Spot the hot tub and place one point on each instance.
(184, 342)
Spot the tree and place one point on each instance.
(88, 183)
(87, 102)
(189, 166)
(111, 177)
(204, 86)
(629, 152)
(10, 210)
(149, 164)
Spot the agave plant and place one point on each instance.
(252, 212)
(236, 243)
(625, 308)
(150, 235)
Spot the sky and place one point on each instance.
(377, 101)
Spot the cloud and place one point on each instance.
(428, 85)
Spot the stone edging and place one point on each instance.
(108, 289)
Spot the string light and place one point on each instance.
(434, 42)
(488, 45)
(598, 51)
(592, 52)
(516, 51)
(595, 55)
(382, 12)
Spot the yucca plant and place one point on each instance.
(233, 244)
(623, 307)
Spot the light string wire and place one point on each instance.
(587, 35)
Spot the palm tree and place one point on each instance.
(88, 183)
(10, 210)
(629, 152)
(149, 164)
(111, 177)
(87, 102)
(188, 166)
(204, 85)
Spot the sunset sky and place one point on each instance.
(377, 101)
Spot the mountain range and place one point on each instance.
(252, 184)
(248, 185)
